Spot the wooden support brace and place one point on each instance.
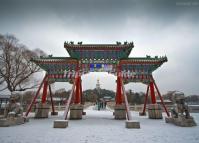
(70, 97)
(162, 101)
(146, 99)
(35, 97)
(128, 113)
(51, 99)
(81, 94)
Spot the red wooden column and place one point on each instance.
(119, 91)
(45, 90)
(119, 99)
(77, 91)
(77, 98)
(153, 98)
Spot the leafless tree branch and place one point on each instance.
(15, 65)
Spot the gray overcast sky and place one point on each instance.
(157, 27)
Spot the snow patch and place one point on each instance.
(99, 127)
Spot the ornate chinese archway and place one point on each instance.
(111, 58)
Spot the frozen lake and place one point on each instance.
(99, 127)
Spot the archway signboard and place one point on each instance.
(111, 58)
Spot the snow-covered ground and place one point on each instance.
(99, 127)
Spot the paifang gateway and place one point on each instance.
(111, 58)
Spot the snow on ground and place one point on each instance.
(99, 127)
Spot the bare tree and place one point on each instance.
(15, 66)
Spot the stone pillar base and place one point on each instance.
(4, 123)
(120, 112)
(76, 111)
(42, 110)
(54, 113)
(130, 124)
(26, 119)
(142, 114)
(154, 111)
(181, 121)
(2, 111)
(60, 124)
(11, 121)
(83, 113)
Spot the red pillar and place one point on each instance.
(153, 99)
(45, 89)
(77, 91)
(119, 99)
(119, 91)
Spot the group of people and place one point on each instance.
(101, 105)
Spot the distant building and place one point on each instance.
(107, 99)
(98, 85)
(4, 99)
(166, 102)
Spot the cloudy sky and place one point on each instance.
(157, 27)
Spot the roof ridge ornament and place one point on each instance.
(118, 43)
(80, 43)
(71, 42)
